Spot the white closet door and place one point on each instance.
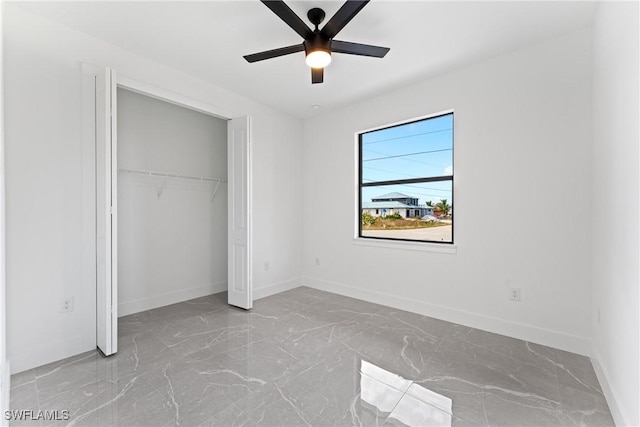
(239, 237)
(106, 212)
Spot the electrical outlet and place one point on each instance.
(266, 266)
(514, 294)
(66, 305)
(317, 261)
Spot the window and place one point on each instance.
(407, 167)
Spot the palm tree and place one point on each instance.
(443, 207)
(430, 203)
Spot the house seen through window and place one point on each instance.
(406, 181)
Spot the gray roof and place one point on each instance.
(394, 196)
(390, 205)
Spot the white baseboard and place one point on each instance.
(276, 288)
(619, 417)
(143, 304)
(567, 342)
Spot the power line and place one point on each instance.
(408, 154)
(391, 172)
(408, 160)
(426, 188)
(407, 136)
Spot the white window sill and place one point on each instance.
(442, 248)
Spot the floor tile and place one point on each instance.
(307, 387)
(526, 352)
(576, 371)
(23, 377)
(481, 369)
(204, 336)
(585, 408)
(413, 412)
(402, 349)
(308, 357)
(502, 410)
(24, 397)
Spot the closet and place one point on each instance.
(172, 203)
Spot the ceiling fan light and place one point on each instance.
(318, 58)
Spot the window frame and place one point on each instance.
(359, 184)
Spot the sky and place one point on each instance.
(414, 150)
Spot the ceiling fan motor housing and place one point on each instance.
(317, 41)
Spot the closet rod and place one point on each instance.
(171, 175)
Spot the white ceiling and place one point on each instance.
(208, 38)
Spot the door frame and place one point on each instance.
(89, 170)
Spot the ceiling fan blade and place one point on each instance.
(358, 49)
(342, 17)
(268, 54)
(289, 17)
(317, 75)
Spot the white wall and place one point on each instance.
(43, 118)
(522, 145)
(5, 381)
(616, 257)
(172, 237)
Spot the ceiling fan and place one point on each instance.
(318, 45)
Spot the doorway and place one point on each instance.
(172, 203)
(100, 159)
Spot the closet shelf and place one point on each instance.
(171, 175)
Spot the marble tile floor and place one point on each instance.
(310, 358)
